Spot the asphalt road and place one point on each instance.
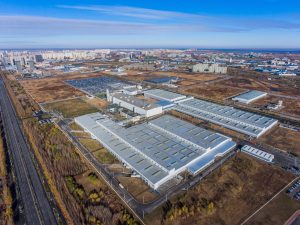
(36, 207)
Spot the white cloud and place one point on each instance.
(141, 13)
(19, 25)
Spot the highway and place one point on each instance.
(37, 208)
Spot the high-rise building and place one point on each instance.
(31, 65)
(19, 66)
(39, 58)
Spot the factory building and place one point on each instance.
(245, 122)
(160, 149)
(134, 104)
(209, 68)
(250, 96)
(160, 94)
(262, 155)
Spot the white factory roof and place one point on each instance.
(160, 149)
(164, 95)
(249, 96)
(258, 153)
(197, 136)
(144, 104)
(241, 121)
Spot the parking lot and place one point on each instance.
(294, 190)
(97, 85)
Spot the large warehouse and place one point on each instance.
(160, 149)
(160, 94)
(245, 122)
(250, 96)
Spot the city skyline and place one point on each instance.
(122, 24)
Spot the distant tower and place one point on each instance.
(31, 65)
(108, 96)
(19, 66)
(39, 58)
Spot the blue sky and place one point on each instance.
(150, 23)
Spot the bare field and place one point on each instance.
(284, 139)
(97, 102)
(190, 76)
(53, 88)
(137, 188)
(276, 212)
(71, 108)
(227, 196)
(279, 86)
(290, 106)
(214, 91)
(187, 78)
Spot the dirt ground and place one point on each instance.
(215, 91)
(88, 184)
(227, 196)
(223, 89)
(187, 78)
(278, 86)
(53, 88)
(137, 188)
(290, 106)
(276, 212)
(97, 102)
(190, 76)
(284, 139)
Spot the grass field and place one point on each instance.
(90, 144)
(71, 108)
(97, 103)
(104, 156)
(75, 126)
(227, 196)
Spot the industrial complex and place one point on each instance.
(152, 136)
(160, 149)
